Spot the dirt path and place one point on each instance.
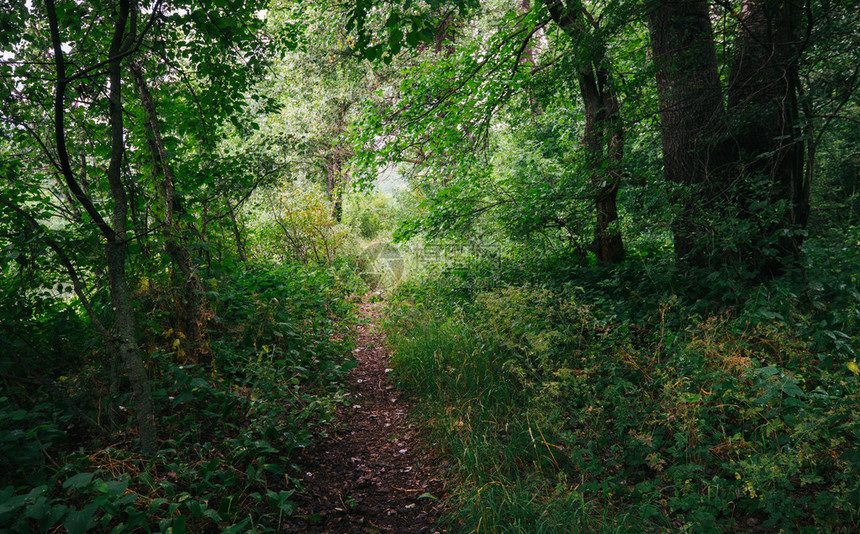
(370, 475)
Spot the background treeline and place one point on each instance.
(625, 235)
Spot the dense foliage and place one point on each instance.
(604, 401)
(159, 367)
(708, 382)
(229, 428)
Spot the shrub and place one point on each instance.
(294, 222)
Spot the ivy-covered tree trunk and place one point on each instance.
(763, 109)
(740, 162)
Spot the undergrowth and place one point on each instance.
(228, 428)
(575, 404)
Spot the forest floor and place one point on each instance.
(372, 473)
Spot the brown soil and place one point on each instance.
(372, 473)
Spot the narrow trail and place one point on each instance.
(370, 474)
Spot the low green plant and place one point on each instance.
(372, 215)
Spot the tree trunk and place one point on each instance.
(116, 247)
(334, 184)
(603, 137)
(114, 233)
(128, 349)
(446, 35)
(336, 156)
(190, 306)
(237, 234)
(732, 161)
(604, 144)
(763, 107)
(695, 153)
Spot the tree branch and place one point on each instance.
(60, 128)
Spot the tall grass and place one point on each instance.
(509, 479)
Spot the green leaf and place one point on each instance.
(38, 510)
(195, 509)
(179, 525)
(227, 508)
(790, 388)
(79, 521)
(57, 513)
(155, 504)
(117, 487)
(238, 527)
(127, 499)
(427, 35)
(78, 481)
(767, 372)
(768, 396)
(8, 503)
(396, 37)
(274, 468)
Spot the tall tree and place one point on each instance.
(431, 131)
(81, 155)
(317, 89)
(764, 116)
(125, 38)
(191, 307)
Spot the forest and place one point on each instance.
(612, 248)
